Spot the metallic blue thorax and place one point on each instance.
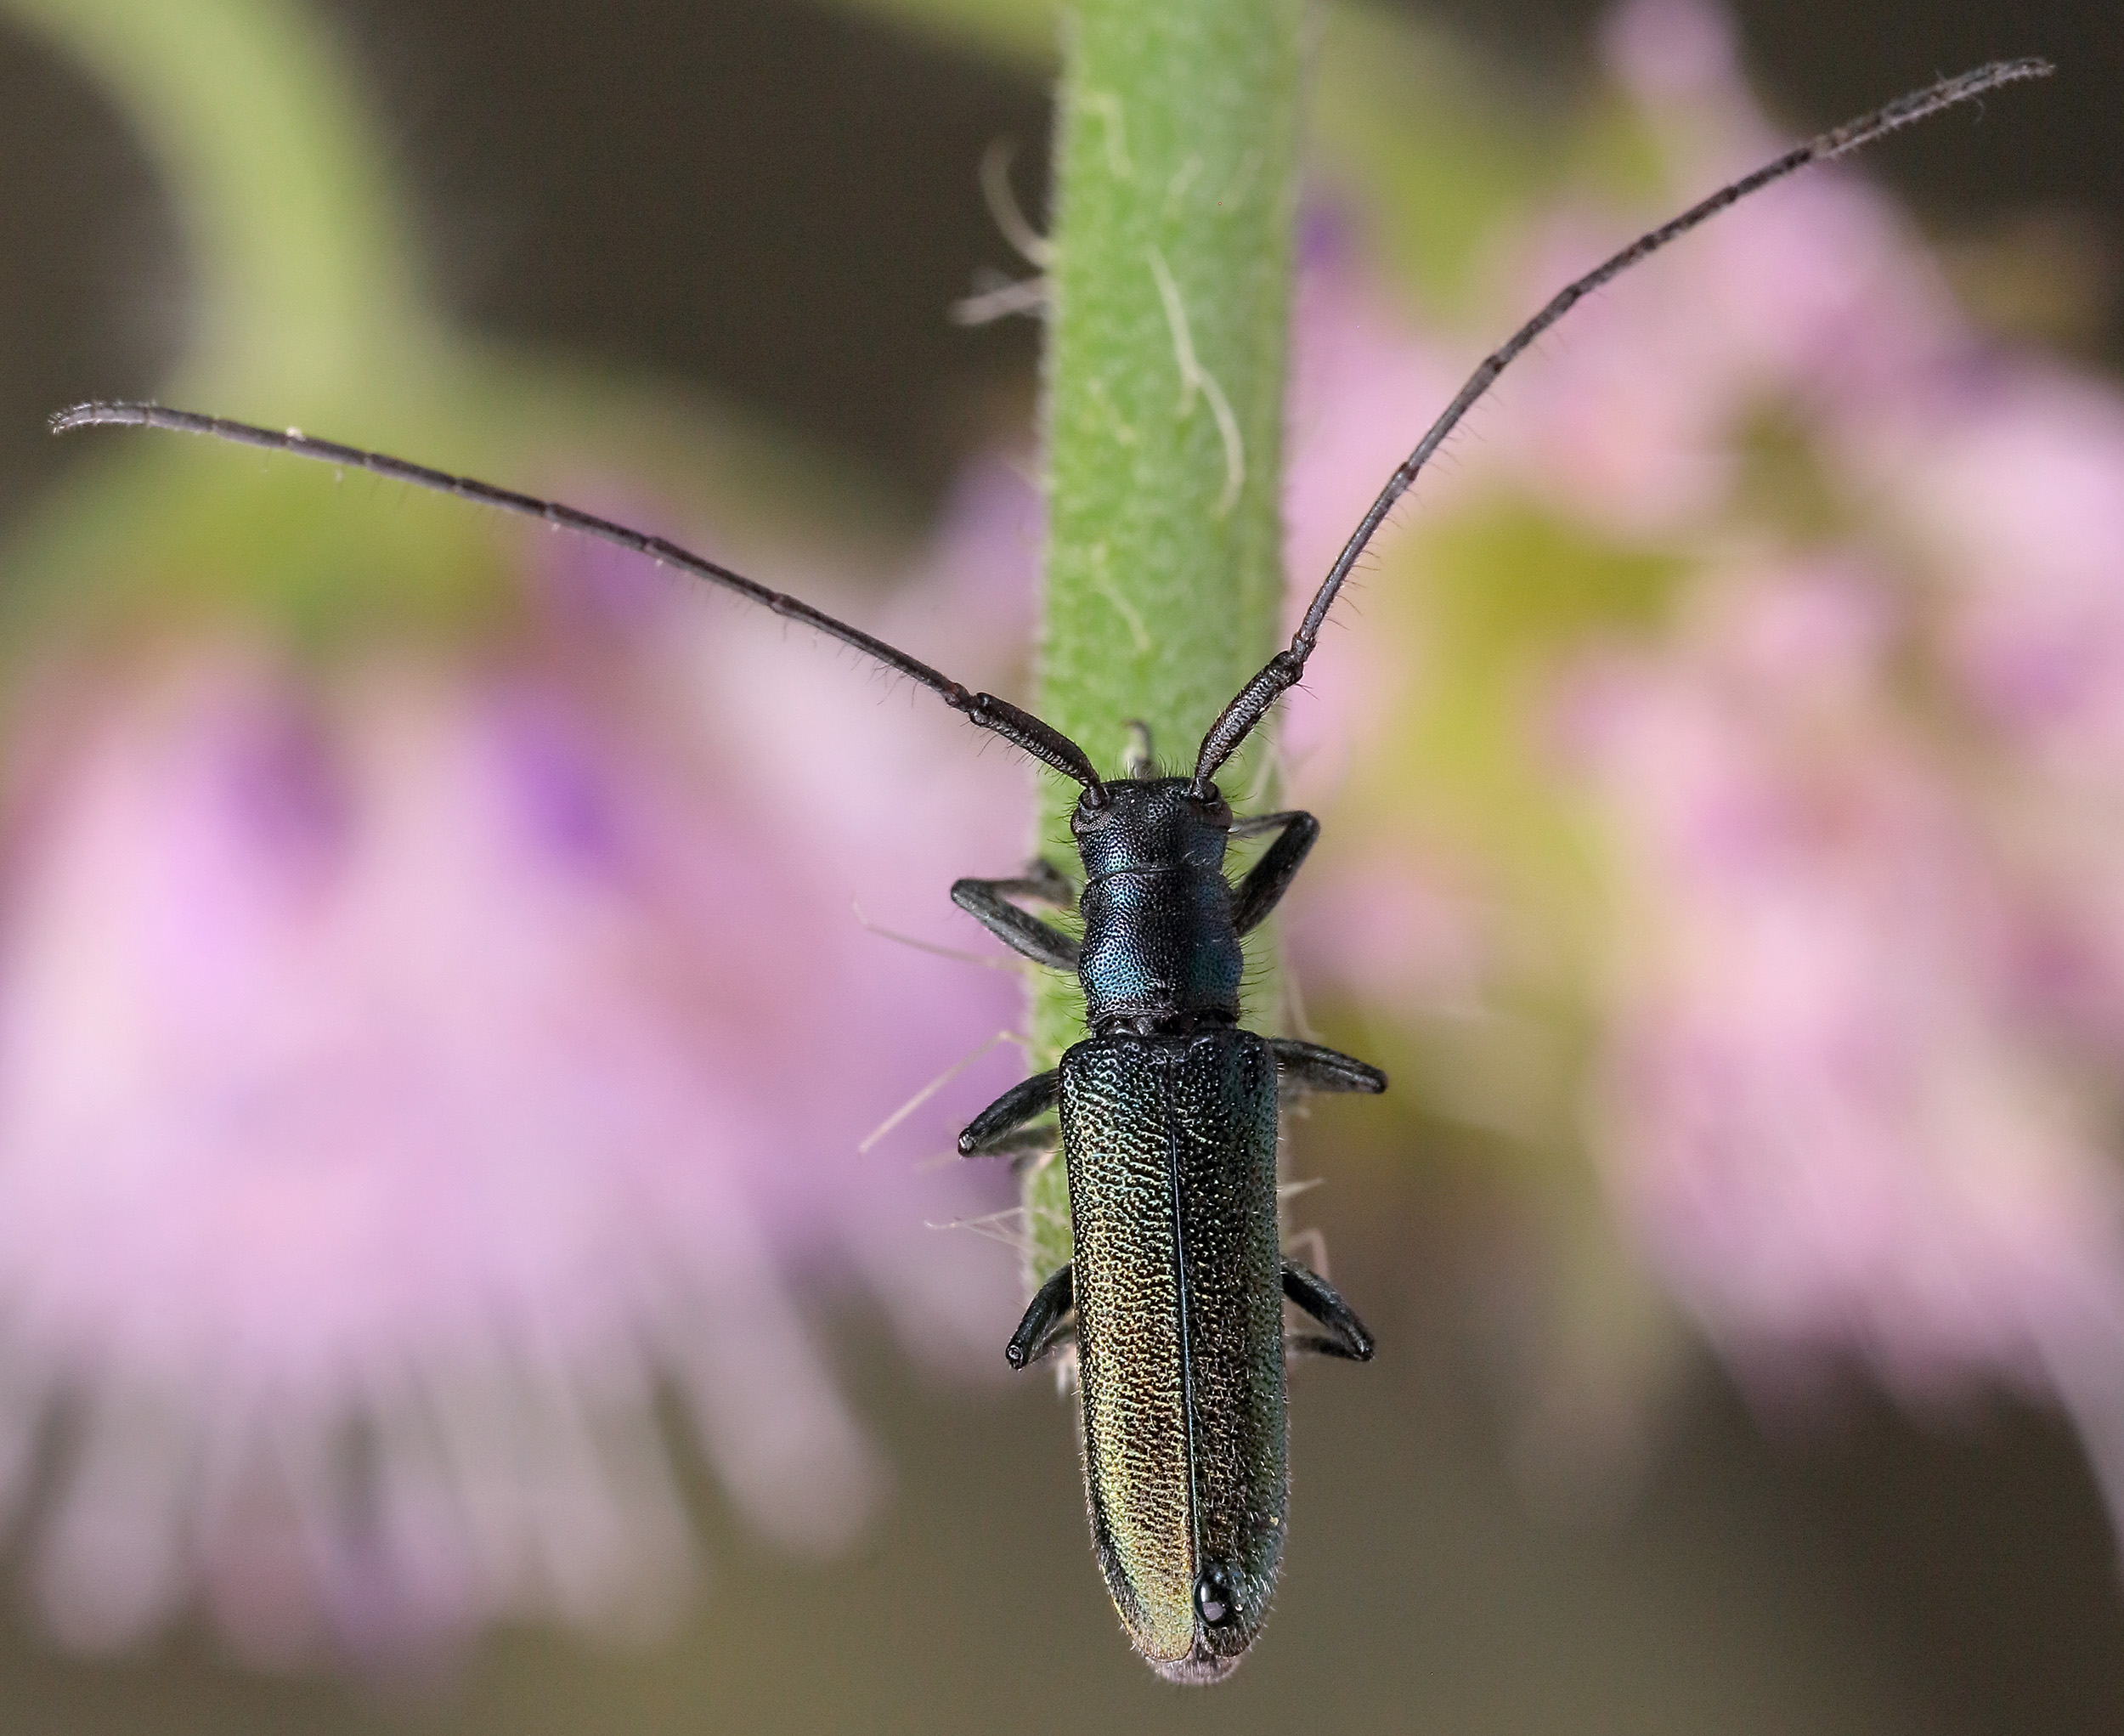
(1159, 952)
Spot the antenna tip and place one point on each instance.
(2000, 72)
(95, 415)
(2011, 71)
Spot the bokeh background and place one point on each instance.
(443, 995)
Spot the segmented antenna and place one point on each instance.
(1282, 671)
(1020, 728)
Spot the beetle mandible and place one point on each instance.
(1173, 1298)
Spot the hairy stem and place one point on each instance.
(1176, 178)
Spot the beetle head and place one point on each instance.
(1151, 824)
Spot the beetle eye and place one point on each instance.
(1215, 1601)
(1089, 816)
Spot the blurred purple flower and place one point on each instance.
(1359, 375)
(1842, 1114)
(2009, 478)
(1825, 1120)
(1858, 983)
(1813, 303)
(406, 1073)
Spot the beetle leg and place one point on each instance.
(1306, 1066)
(1045, 881)
(1024, 1147)
(1060, 1336)
(1314, 1344)
(1270, 878)
(1345, 1335)
(988, 902)
(1045, 1324)
(1008, 1114)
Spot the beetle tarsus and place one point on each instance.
(1048, 1322)
(1061, 1336)
(1024, 1147)
(1302, 1345)
(988, 1134)
(1345, 1335)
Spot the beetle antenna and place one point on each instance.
(1282, 671)
(1021, 729)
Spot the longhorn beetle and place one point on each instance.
(1174, 1299)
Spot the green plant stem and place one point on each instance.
(1176, 178)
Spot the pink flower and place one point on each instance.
(1824, 1117)
(1811, 302)
(2013, 478)
(1850, 746)
(1361, 381)
(406, 1070)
